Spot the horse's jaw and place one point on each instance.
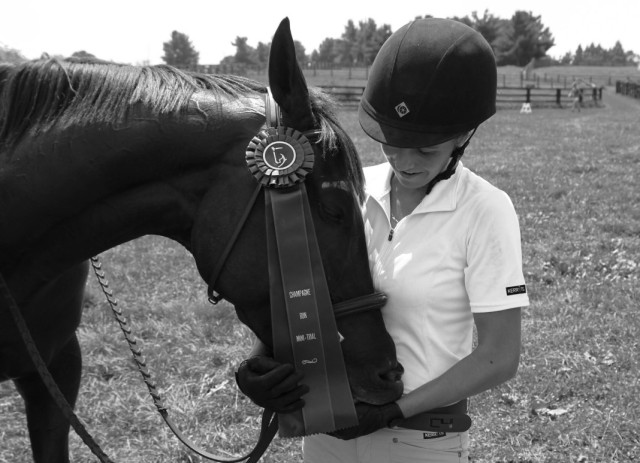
(258, 320)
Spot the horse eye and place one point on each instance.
(332, 213)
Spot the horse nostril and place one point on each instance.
(393, 375)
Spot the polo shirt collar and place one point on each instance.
(442, 198)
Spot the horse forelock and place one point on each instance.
(335, 139)
(38, 94)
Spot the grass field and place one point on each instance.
(573, 178)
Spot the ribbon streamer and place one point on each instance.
(304, 329)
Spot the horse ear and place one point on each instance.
(288, 85)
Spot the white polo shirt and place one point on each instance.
(456, 254)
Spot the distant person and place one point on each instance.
(444, 245)
(576, 96)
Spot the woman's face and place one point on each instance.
(416, 167)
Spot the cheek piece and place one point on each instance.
(456, 154)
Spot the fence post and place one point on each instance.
(528, 95)
(594, 95)
(559, 97)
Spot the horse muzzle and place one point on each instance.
(384, 386)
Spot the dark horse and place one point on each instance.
(96, 154)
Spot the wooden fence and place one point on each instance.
(541, 79)
(508, 76)
(506, 96)
(631, 89)
(547, 97)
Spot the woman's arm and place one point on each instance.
(494, 361)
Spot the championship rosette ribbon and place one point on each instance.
(304, 327)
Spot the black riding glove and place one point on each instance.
(271, 385)
(370, 419)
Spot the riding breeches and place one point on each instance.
(389, 446)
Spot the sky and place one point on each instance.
(133, 31)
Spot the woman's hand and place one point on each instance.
(271, 385)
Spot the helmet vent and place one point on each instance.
(402, 109)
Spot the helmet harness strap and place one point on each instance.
(456, 154)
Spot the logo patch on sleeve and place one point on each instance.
(511, 290)
(433, 435)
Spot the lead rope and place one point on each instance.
(45, 375)
(269, 425)
(126, 330)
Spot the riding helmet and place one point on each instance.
(432, 80)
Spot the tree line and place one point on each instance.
(515, 41)
(595, 55)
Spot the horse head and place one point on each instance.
(335, 189)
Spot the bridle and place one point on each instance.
(359, 304)
(356, 305)
(269, 426)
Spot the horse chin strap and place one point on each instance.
(456, 154)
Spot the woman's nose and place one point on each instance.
(402, 159)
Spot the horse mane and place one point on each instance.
(5, 71)
(40, 93)
(5, 68)
(37, 94)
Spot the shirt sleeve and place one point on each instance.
(493, 275)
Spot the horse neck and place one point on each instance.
(73, 192)
(56, 174)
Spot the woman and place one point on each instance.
(444, 245)
(575, 95)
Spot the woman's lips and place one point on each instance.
(409, 174)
